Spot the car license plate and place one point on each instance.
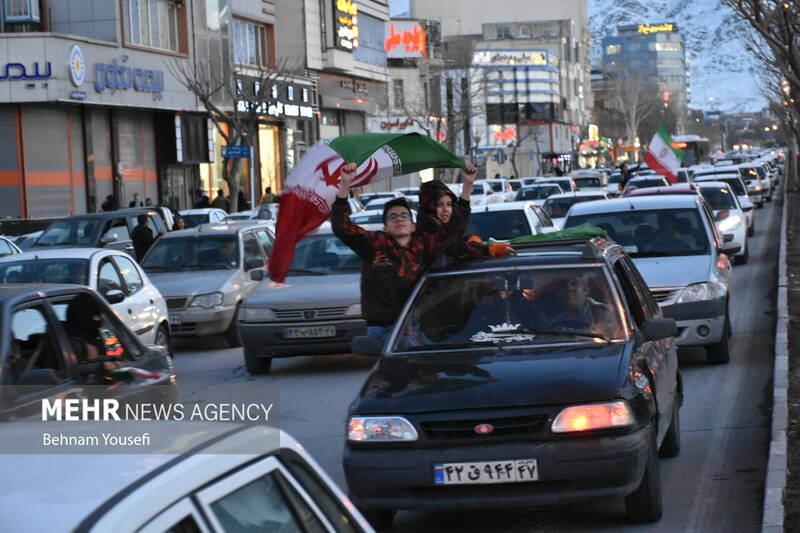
(175, 320)
(309, 332)
(511, 471)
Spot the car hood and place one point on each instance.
(300, 292)
(676, 271)
(535, 376)
(191, 282)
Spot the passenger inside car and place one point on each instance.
(94, 347)
(669, 237)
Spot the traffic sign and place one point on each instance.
(236, 150)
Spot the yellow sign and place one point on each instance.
(594, 132)
(647, 29)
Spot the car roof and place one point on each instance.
(199, 211)
(576, 195)
(503, 206)
(112, 214)
(58, 253)
(679, 188)
(715, 177)
(631, 203)
(649, 177)
(232, 227)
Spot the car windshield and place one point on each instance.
(539, 305)
(587, 182)
(615, 177)
(195, 220)
(650, 182)
(537, 193)
(324, 254)
(735, 183)
(656, 233)
(558, 207)
(371, 218)
(499, 225)
(74, 231)
(45, 271)
(565, 185)
(718, 198)
(515, 185)
(192, 253)
(496, 186)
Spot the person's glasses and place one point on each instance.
(398, 216)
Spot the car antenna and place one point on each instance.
(632, 206)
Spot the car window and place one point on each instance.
(192, 253)
(70, 232)
(6, 249)
(251, 249)
(633, 296)
(195, 220)
(499, 224)
(719, 198)
(266, 240)
(543, 216)
(133, 280)
(107, 277)
(559, 207)
(73, 271)
(588, 182)
(181, 517)
(639, 283)
(373, 218)
(35, 357)
(539, 305)
(119, 227)
(324, 254)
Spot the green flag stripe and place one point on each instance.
(668, 142)
(416, 151)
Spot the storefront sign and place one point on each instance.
(405, 39)
(396, 124)
(647, 29)
(77, 65)
(504, 133)
(114, 76)
(17, 71)
(279, 109)
(345, 15)
(508, 57)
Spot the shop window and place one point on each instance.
(155, 23)
(503, 32)
(251, 44)
(370, 41)
(613, 49)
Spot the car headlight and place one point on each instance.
(593, 416)
(731, 223)
(353, 310)
(207, 301)
(758, 187)
(700, 292)
(256, 314)
(380, 429)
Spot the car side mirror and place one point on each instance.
(250, 264)
(256, 275)
(659, 328)
(365, 345)
(108, 239)
(114, 296)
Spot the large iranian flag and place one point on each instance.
(662, 157)
(311, 188)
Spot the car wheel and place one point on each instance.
(255, 364)
(671, 445)
(719, 352)
(742, 259)
(233, 336)
(644, 504)
(379, 519)
(162, 339)
(752, 229)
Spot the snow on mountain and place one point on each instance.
(719, 65)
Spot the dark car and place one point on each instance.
(111, 229)
(542, 378)
(63, 341)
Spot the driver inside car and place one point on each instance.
(575, 309)
(90, 345)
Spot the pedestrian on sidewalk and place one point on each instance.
(220, 202)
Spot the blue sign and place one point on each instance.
(78, 95)
(237, 150)
(115, 76)
(17, 71)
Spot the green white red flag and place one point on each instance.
(662, 157)
(312, 185)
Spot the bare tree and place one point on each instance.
(634, 98)
(235, 104)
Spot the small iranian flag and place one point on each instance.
(662, 157)
(312, 185)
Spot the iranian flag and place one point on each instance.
(662, 157)
(312, 185)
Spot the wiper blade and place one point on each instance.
(153, 268)
(306, 271)
(450, 346)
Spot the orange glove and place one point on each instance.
(499, 248)
(475, 238)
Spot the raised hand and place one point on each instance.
(346, 179)
(470, 175)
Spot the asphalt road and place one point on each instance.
(715, 484)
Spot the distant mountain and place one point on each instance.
(720, 66)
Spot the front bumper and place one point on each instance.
(267, 339)
(196, 321)
(569, 470)
(693, 318)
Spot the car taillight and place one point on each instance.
(593, 416)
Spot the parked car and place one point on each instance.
(737, 186)
(367, 197)
(236, 478)
(673, 241)
(509, 220)
(408, 191)
(318, 310)
(757, 181)
(110, 229)
(483, 194)
(590, 183)
(44, 329)
(113, 274)
(164, 212)
(644, 182)
(7, 247)
(205, 272)
(541, 378)
(538, 193)
(378, 203)
(566, 183)
(203, 215)
(501, 187)
(730, 219)
(27, 241)
(558, 205)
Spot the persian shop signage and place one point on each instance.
(345, 23)
(647, 29)
(508, 57)
(405, 39)
(115, 76)
(17, 71)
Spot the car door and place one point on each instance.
(110, 279)
(252, 251)
(38, 366)
(182, 517)
(139, 299)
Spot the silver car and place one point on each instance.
(318, 310)
(205, 272)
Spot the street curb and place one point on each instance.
(775, 485)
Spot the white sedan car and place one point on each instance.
(112, 273)
(203, 215)
(730, 218)
(558, 205)
(509, 220)
(7, 247)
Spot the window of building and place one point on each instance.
(669, 63)
(503, 32)
(153, 23)
(666, 47)
(250, 43)
(21, 11)
(612, 49)
(398, 93)
(524, 31)
(370, 41)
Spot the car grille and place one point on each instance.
(176, 303)
(520, 425)
(310, 314)
(665, 295)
